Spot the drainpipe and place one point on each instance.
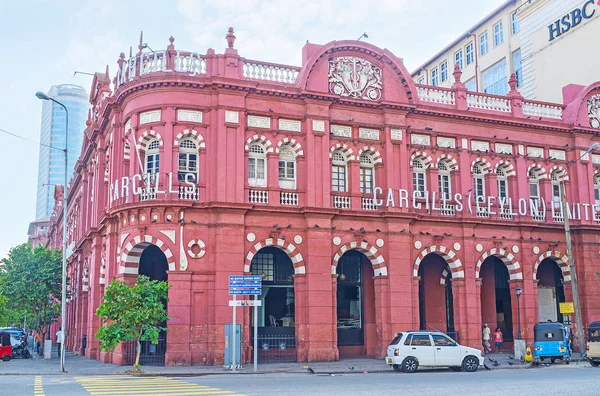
(476, 53)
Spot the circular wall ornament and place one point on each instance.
(515, 249)
(196, 245)
(132, 219)
(251, 237)
(124, 221)
(337, 241)
(169, 217)
(379, 242)
(418, 244)
(456, 246)
(298, 239)
(536, 250)
(155, 217)
(143, 218)
(478, 247)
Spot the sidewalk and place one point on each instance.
(79, 366)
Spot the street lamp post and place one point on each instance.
(574, 284)
(518, 292)
(63, 322)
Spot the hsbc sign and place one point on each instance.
(572, 19)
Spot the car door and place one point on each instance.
(421, 348)
(446, 351)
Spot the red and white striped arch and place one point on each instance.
(507, 166)
(513, 266)
(192, 134)
(294, 145)
(539, 170)
(561, 259)
(444, 275)
(450, 161)
(129, 260)
(146, 137)
(375, 154)
(260, 139)
(376, 258)
(289, 248)
(343, 147)
(485, 164)
(447, 254)
(561, 172)
(423, 156)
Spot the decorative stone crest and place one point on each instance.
(290, 125)
(537, 152)
(367, 133)
(593, 104)
(479, 146)
(341, 130)
(259, 122)
(318, 125)
(396, 134)
(503, 148)
(446, 142)
(354, 78)
(149, 116)
(423, 140)
(189, 115)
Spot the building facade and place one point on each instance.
(544, 42)
(366, 205)
(51, 160)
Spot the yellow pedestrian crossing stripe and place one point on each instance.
(155, 386)
(38, 389)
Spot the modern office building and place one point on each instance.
(52, 138)
(546, 43)
(366, 205)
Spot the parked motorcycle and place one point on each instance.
(21, 351)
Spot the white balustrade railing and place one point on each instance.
(191, 63)
(368, 204)
(341, 202)
(538, 217)
(288, 198)
(436, 95)
(558, 216)
(505, 213)
(153, 62)
(484, 102)
(597, 218)
(447, 210)
(542, 110)
(262, 71)
(148, 194)
(258, 196)
(188, 193)
(482, 211)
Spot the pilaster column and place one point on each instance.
(178, 351)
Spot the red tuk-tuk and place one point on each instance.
(5, 346)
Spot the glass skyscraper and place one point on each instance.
(51, 161)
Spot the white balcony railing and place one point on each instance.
(484, 102)
(341, 202)
(505, 213)
(447, 210)
(436, 95)
(188, 193)
(482, 211)
(148, 195)
(270, 72)
(538, 217)
(542, 110)
(288, 198)
(258, 196)
(368, 204)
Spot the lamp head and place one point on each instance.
(41, 95)
(518, 291)
(593, 147)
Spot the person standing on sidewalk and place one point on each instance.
(59, 339)
(498, 340)
(486, 338)
(37, 342)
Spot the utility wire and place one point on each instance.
(29, 140)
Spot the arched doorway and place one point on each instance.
(276, 316)
(153, 264)
(550, 291)
(496, 307)
(355, 301)
(436, 308)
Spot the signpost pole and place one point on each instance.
(255, 333)
(233, 340)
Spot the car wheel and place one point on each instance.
(470, 364)
(6, 358)
(397, 367)
(410, 365)
(593, 364)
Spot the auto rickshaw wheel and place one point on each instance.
(593, 363)
(552, 360)
(6, 358)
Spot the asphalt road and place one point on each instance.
(545, 381)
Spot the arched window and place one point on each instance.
(419, 177)
(444, 182)
(556, 187)
(597, 189)
(339, 169)
(502, 183)
(257, 166)
(287, 167)
(152, 160)
(478, 181)
(367, 174)
(188, 160)
(534, 186)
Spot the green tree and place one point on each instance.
(132, 313)
(31, 282)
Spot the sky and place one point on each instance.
(45, 41)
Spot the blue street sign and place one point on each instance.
(257, 292)
(245, 285)
(245, 278)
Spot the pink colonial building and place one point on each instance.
(368, 204)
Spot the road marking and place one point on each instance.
(154, 386)
(38, 389)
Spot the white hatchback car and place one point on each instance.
(412, 349)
